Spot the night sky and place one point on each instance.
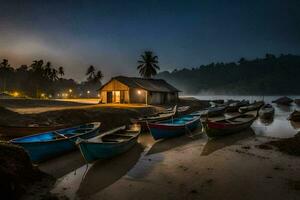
(112, 34)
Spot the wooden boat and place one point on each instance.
(180, 109)
(214, 111)
(251, 107)
(283, 101)
(234, 107)
(228, 126)
(49, 144)
(267, 111)
(21, 131)
(295, 116)
(110, 143)
(174, 127)
(297, 101)
(142, 121)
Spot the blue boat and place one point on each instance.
(109, 144)
(174, 127)
(49, 144)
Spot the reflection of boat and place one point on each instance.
(174, 127)
(251, 107)
(295, 125)
(228, 126)
(219, 143)
(267, 111)
(45, 145)
(295, 116)
(108, 171)
(297, 101)
(266, 121)
(153, 118)
(109, 144)
(234, 107)
(283, 101)
(21, 131)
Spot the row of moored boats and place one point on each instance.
(173, 122)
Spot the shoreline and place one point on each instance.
(178, 168)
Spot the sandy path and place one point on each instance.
(185, 168)
(35, 110)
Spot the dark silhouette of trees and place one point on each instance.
(90, 72)
(148, 65)
(61, 71)
(270, 75)
(41, 78)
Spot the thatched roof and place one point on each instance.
(152, 85)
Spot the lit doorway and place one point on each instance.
(116, 96)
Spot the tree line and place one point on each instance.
(41, 78)
(269, 75)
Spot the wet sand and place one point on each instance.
(187, 168)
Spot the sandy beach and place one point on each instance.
(239, 166)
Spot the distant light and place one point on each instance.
(70, 90)
(43, 95)
(88, 92)
(98, 95)
(15, 94)
(58, 95)
(50, 96)
(139, 92)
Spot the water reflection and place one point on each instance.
(266, 121)
(222, 142)
(105, 172)
(90, 179)
(295, 125)
(167, 144)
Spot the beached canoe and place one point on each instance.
(228, 126)
(267, 111)
(251, 107)
(110, 143)
(49, 144)
(283, 101)
(174, 127)
(143, 121)
(295, 116)
(234, 107)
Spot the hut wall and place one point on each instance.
(115, 85)
(136, 97)
(103, 95)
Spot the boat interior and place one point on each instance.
(118, 135)
(59, 134)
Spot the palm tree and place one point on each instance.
(61, 71)
(90, 72)
(47, 70)
(53, 74)
(148, 65)
(98, 76)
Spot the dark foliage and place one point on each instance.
(269, 75)
(40, 79)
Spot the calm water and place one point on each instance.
(278, 127)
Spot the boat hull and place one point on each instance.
(40, 151)
(214, 130)
(163, 131)
(97, 151)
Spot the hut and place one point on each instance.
(122, 89)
